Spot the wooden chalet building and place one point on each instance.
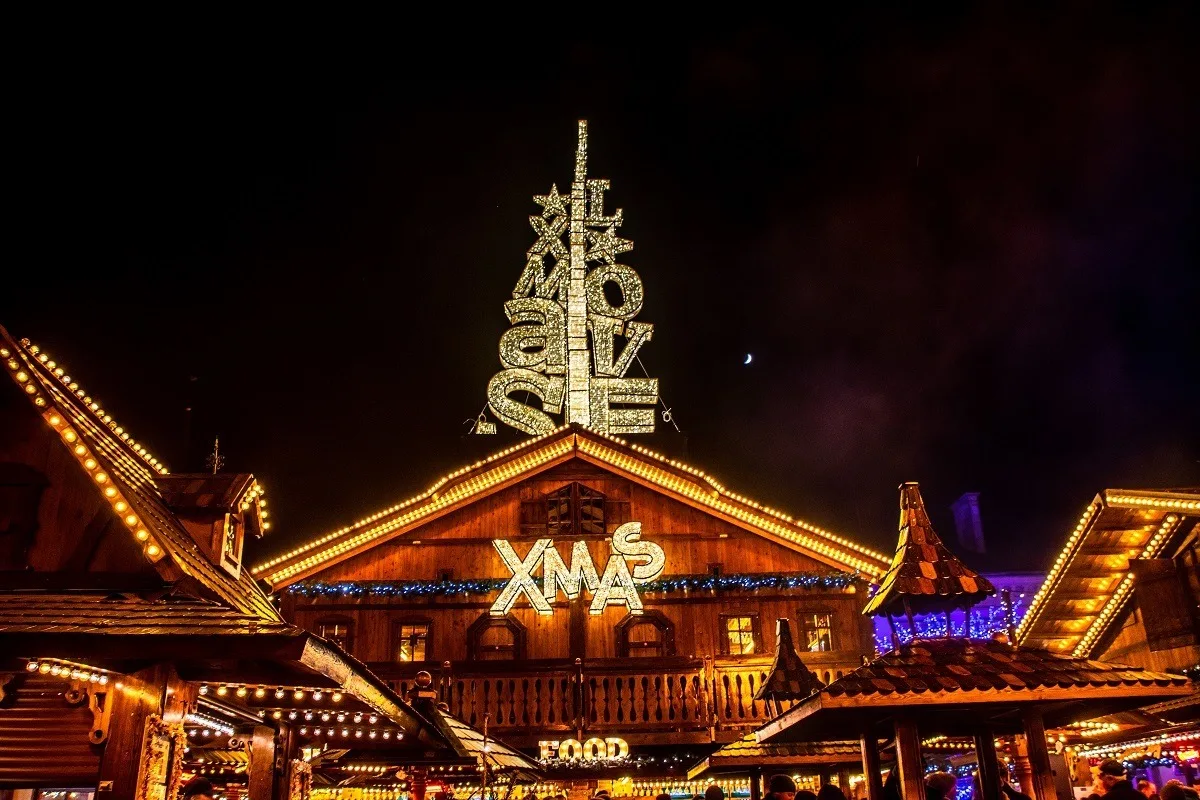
(417, 585)
(1125, 589)
(136, 649)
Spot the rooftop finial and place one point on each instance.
(215, 460)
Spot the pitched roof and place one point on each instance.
(790, 679)
(124, 474)
(924, 573)
(470, 743)
(962, 673)
(509, 466)
(749, 752)
(114, 614)
(1091, 579)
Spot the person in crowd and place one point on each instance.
(1148, 789)
(940, 786)
(1175, 790)
(830, 792)
(714, 792)
(1116, 781)
(197, 789)
(805, 794)
(1012, 794)
(891, 786)
(663, 796)
(697, 796)
(781, 787)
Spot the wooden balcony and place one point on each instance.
(641, 700)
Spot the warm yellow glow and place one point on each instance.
(101, 477)
(131, 520)
(90, 463)
(80, 450)
(120, 506)
(55, 420)
(152, 550)
(110, 492)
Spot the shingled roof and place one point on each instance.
(925, 576)
(748, 752)
(790, 679)
(125, 474)
(967, 676)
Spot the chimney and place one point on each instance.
(967, 523)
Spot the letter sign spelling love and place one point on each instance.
(617, 586)
(546, 353)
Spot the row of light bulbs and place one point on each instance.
(459, 492)
(260, 692)
(347, 733)
(487, 480)
(1064, 558)
(1113, 605)
(67, 669)
(1161, 739)
(304, 548)
(689, 489)
(208, 723)
(326, 716)
(90, 404)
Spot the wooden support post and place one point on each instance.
(844, 780)
(823, 775)
(1021, 764)
(1039, 755)
(989, 766)
(870, 763)
(153, 691)
(417, 782)
(756, 783)
(908, 759)
(287, 747)
(260, 776)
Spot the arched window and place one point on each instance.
(339, 630)
(496, 639)
(648, 635)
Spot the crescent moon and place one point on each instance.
(749, 358)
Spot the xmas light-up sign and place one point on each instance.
(610, 748)
(616, 586)
(573, 337)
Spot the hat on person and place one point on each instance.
(1111, 766)
(781, 783)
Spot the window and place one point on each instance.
(230, 538)
(411, 641)
(339, 630)
(816, 631)
(574, 509)
(739, 635)
(649, 635)
(496, 639)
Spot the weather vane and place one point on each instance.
(215, 460)
(573, 335)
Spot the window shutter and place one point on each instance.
(1166, 611)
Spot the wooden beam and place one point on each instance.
(989, 765)
(260, 779)
(1039, 755)
(756, 783)
(870, 764)
(908, 758)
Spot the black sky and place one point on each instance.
(961, 250)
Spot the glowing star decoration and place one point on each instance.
(573, 337)
(616, 587)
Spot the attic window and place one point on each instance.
(230, 538)
(575, 509)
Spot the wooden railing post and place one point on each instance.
(709, 689)
(444, 679)
(580, 709)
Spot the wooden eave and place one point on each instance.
(1080, 602)
(127, 468)
(484, 478)
(749, 752)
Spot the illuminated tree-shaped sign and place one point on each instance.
(573, 335)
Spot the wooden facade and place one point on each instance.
(685, 670)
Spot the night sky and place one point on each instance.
(960, 249)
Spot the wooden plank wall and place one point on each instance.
(1130, 647)
(460, 544)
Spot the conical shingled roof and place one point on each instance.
(790, 679)
(924, 572)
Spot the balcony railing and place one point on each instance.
(714, 696)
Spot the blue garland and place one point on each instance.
(703, 582)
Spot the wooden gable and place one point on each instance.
(672, 498)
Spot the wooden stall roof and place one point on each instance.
(924, 573)
(112, 459)
(469, 743)
(790, 678)
(205, 642)
(507, 467)
(749, 752)
(1091, 579)
(973, 681)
